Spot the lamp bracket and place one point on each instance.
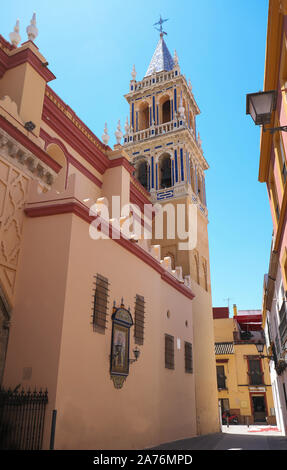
(271, 358)
(272, 130)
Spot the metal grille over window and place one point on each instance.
(100, 306)
(188, 357)
(139, 319)
(169, 352)
(255, 373)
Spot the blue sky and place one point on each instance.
(91, 47)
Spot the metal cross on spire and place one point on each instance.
(160, 29)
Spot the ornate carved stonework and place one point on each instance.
(118, 380)
(20, 157)
(17, 167)
(13, 193)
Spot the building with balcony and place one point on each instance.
(243, 379)
(275, 327)
(272, 172)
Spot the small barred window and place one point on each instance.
(100, 306)
(169, 352)
(188, 357)
(139, 319)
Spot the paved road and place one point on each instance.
(234, 437)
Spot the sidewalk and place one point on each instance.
(234, 438)
(262, 430)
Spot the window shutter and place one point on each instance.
(188, 357)
(139, 319)
(169, 352)
(100, 306)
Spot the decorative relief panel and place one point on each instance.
(13, 193)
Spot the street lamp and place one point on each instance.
(260, 106)
(136, 352)
(260, 349)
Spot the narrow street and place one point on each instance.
(234, 438)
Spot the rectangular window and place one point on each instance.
(284, 173)
(188, 357)
(269, 331)
(221, 384)
(283, 318)
(277, 345)
(274, 197)
(255, 373)
(285, 395)
(100, 306)
(224, 404)
(282, 161)
(169, 352)
(277, 211)
(139, 319)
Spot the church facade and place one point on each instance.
(115, 325)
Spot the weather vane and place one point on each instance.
(160, 22)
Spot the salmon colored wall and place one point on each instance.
(48, 134)
(72, 360)
(12, 84)
(35, 335)
(116, 182)
(26, 87)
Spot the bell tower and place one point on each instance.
(165, 149)
(166, 152)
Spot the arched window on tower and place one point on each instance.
(142, 174)
(143, 116)
(196, 262)
(192, 175)
(165, 172)
(200, 187)
(166, 111)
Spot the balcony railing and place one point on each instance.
(248, 337)
(158, 130)
(256, 378)
(153, 80)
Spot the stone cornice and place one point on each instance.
(11, 57)
(23, 158)
(30, 146)
(63, 120)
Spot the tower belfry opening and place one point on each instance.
(166, 111)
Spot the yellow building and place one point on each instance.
(243, 378)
